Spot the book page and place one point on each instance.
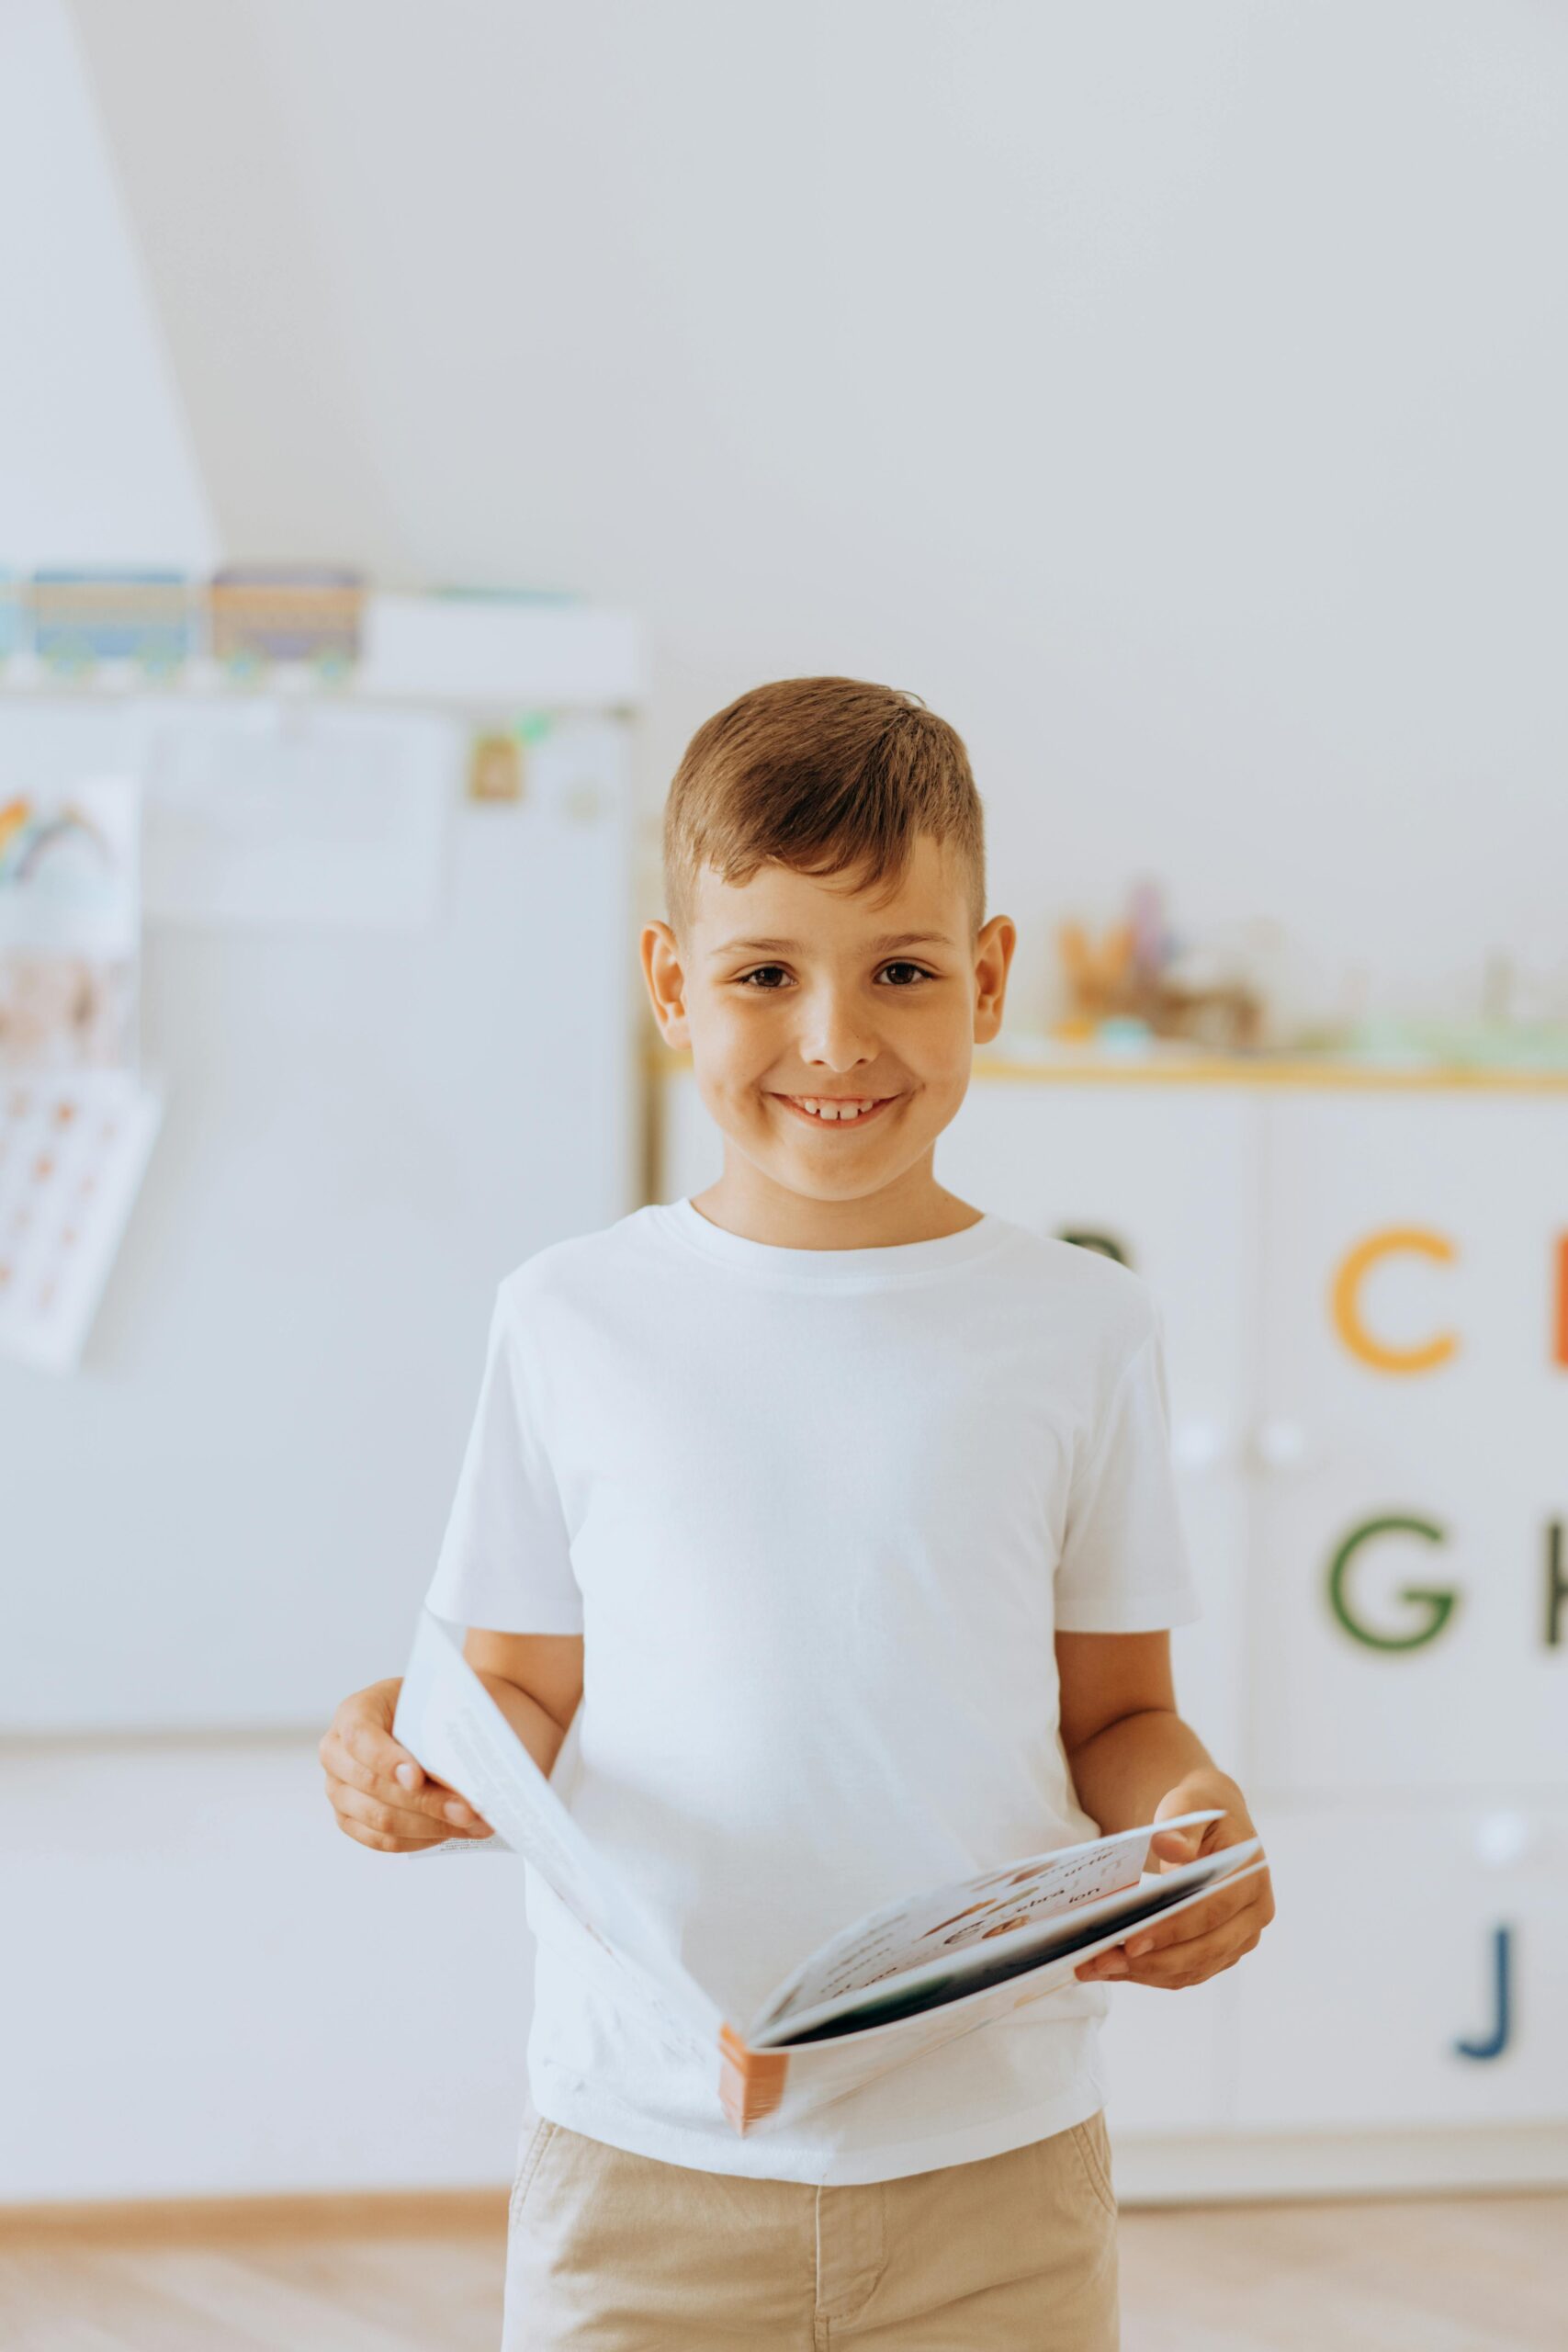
(447, 1719)
(822, 2068)
(1096, 1926)
(920, 1930)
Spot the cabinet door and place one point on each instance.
(1403, 1933)
(1164, 2055)
(1411, 1502)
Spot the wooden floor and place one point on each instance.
(1475, 2274)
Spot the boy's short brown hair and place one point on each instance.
(824, 774)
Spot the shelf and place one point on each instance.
(425, 650)
(1283, 1070)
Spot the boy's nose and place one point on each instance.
(836, 1038)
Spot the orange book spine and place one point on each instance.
(750, 2082)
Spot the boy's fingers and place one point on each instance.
(369, 1744)
(1223, 1903)
(389, 1820)
(429, 1800)
(383, 1841)
(1225, 1940)
(362, 1728)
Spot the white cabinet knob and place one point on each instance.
(1197, 1445)
(1282, 1446)
(1503, 1837)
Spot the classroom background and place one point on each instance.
(413, 421)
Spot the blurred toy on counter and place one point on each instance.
(261, 614)
(1139, 979)
(83, 617)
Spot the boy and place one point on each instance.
(845, 1509)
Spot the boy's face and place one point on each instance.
(793, 991)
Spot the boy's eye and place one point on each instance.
(767, 989)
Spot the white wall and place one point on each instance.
(209, 1991)
(96, 458)
(1173, 395)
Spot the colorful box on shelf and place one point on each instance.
(83, 617)
(511, 660)
(266, 613)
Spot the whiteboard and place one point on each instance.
(228, 1516)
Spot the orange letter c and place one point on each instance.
(1347, 1307)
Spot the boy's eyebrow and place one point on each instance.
(883, 946)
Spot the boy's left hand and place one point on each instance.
(1212, 1935)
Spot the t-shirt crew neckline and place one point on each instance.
(889, 1262)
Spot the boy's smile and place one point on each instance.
(833, 1024)
(837, 1110)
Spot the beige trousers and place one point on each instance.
(623, 2254)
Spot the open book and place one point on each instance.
(919, 1972)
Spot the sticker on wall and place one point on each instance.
(1556, 1585)
(69, 925)
(1106, 1243)
(1495, 2041)
(1433, 1605)
(582, 803)
(73, 1152)
(1345, 1307)
(495, 768)
(266, 812)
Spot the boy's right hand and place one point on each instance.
(382, 1796)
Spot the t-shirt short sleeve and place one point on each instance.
(506, 1559)
(1124, 1567)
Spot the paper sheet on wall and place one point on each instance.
(272, 813)
(70, 924)
(76, 1126)
(73, 1151)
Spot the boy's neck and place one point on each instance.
(916, 1208)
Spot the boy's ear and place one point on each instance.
(666, 982)
(993, 955)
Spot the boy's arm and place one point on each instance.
(536, 1681)
(1134, 1759)
(1123, 1739)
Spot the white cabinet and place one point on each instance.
(1416, 1974)
(1364, 1288)
(1165, 2055)
(1402, 1540)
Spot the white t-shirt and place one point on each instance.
(817, 1514)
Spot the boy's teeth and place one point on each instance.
(832, 1110)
